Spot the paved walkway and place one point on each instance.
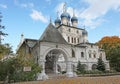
(79, 80)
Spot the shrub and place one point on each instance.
(63, 72)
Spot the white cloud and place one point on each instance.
(27, 5)
(37, 15)
(92, 16)
(3, 6)
(93, 23)
(24, 5)
(97, 9)
(59, 8)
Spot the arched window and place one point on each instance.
(77, 31)
(85, 66)
(68, 39)
(82, 54)
(78, 40)
(73, 53)
(94, 66)
(69, 30)
(72, 39)
(100, 55)
(89, 55)
(94, 55)
(91, 46)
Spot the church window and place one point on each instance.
(73, 53)
(78, 40)
(100, 55)
(77, 31)
(82, 54)
(91, 46)
(72, 39)
(89, 55)
(94, 55)
(68, 39)
(69, 30)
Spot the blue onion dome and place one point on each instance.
(58, 21)
(65, 14)
(84, 32)
(74, 18)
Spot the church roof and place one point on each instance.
(51, 34)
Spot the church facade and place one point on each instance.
(61, 46)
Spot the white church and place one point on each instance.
(61, 46)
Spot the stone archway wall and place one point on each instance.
(51, 68)
(65, 50)
(62, 50)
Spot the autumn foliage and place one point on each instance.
(108, 42)
(111, 45)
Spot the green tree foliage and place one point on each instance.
(5, 49)
(111, 45)
(6, 68)
(80, 67)
(114, 57)
(21, 75)
(13, 68)
(100, 65)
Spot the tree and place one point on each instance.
(107, 43)
(111, 45)
(25, 60)
(115, 58)
(1, 32)
(4, 48)
(100, 65)
(14, 69)
(7, 68)
(80, 67)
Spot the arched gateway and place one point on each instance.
(53, 60)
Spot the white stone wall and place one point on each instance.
(45, 47)
(75, 33)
